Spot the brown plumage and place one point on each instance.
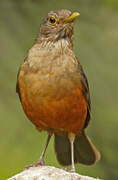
(54, 91)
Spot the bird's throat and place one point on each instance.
(59, 43)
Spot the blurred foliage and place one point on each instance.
(110, 3)
(96, 45)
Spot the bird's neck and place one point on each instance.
(52, 43)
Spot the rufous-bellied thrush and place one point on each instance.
(54, 91)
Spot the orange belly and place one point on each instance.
(63, 115)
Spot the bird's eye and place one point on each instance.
(52, 20)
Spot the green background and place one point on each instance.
(96, 45)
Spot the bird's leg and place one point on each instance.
(41, 160)
(71, 137)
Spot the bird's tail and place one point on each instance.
(84, 151)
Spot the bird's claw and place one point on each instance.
(36, 164)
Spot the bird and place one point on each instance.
(54, 91)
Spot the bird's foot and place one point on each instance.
(36, 164)
(72, 170)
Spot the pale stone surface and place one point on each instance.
(48, 173)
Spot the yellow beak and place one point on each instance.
(71, 18)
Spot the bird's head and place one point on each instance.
(57, 25)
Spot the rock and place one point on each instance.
(48, 173)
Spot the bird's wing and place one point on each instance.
(17, 84)
(86, 94)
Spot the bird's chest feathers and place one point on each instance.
(56, 58)
(51, 69)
